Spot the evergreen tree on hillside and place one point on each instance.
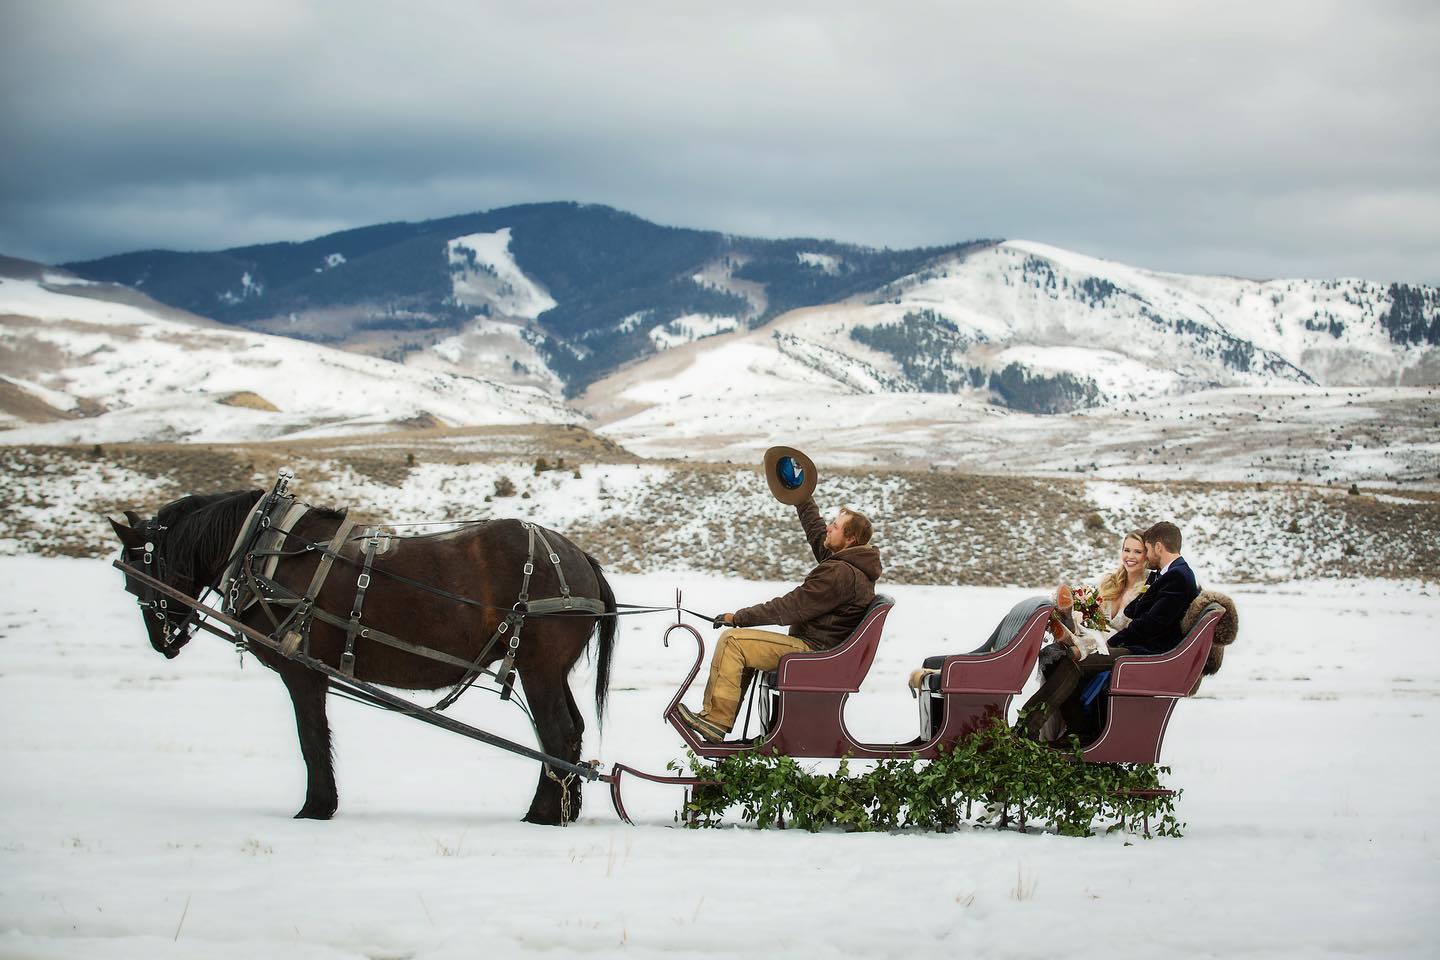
(1414, 315)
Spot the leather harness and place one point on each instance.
(249, 580)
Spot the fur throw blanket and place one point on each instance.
(1225, 630)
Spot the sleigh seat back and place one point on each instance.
(967, 689)
(802, 699)
(1143, 693)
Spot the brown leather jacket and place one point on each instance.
(825, 609)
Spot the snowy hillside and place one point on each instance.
(83, 365)
(498, 350)
(485, 275)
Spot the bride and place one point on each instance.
(1079, 640)
(1117, 589)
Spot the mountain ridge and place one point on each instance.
(90, 363)
(601, 265)
(607, 288)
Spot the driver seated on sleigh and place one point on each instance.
(821, 613)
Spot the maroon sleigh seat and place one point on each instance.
(1143, 692)
(843, 667)
(802, 701)
(969, 689)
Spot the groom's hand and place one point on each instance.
(724, 620)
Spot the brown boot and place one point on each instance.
(707, 729)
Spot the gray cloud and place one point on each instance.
(1284, 138)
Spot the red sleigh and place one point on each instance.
(802, 701)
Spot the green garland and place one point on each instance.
(992, 777)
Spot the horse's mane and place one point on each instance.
(201, 528)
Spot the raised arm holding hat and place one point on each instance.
(821, 612)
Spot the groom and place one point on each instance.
(1154, 628)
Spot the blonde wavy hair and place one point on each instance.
(1113, 584)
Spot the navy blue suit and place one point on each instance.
(1155, 615)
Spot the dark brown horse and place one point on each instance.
(190, 540)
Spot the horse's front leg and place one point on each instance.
(307, 692)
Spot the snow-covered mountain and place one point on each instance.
(1165, 375)
(1037, 328)
(86, 362)
(587, 287)
(1049, 330)
(716, 346)
(559, 295)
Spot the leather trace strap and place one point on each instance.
(510, 627)
(296, 628)
(554, 560)
(362, 583)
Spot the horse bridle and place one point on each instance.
(175, 633)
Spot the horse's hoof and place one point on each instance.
(307, 813)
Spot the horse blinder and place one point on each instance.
(173, 634)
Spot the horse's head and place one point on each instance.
(185, 546)
(143, 543)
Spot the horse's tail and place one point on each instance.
(607, 627)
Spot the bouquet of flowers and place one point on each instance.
(1088, 611)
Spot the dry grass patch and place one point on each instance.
(249, 400)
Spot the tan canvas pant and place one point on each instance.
(739, 652)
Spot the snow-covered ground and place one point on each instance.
(146, 807)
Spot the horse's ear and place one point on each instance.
(134, 518)
(126, 534)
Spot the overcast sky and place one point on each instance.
(1261, 138)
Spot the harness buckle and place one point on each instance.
(363, 581)
(529, 567)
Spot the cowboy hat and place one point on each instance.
(791, 475)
